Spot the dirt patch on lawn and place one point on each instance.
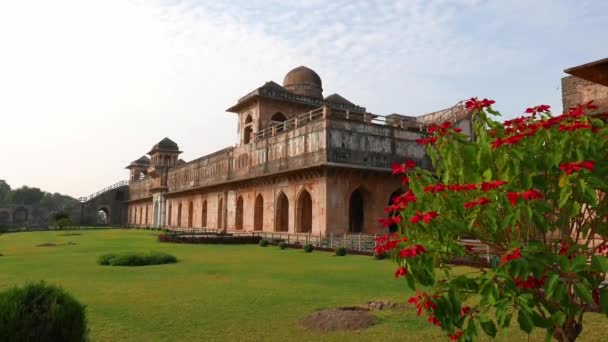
(347, 318)
(50, 244)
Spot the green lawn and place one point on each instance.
(218, 293)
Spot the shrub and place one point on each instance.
(209, 239)
(136, 259)
(263, 243)
(308, 248)
(282, 245)
(341, 251)
(41, 312)
(63, 223)
(533, 189)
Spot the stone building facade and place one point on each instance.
(587, 82)
(304, 163)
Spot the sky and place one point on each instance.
(88, 86)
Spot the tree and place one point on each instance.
(25, 196)
(4, 190)
(533, 190)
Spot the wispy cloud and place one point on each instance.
(86, 86)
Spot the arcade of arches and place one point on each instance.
(326, 203)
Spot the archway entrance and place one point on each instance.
(204, 215)
(281, 220)
(238, 219)
(220, 210)
(355, 212)
(103, 216)
(278, 120)
(258, 214)
(190, 214)
(5, 219)
(20, 216)
(304, 210)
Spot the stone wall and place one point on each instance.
(578, 91)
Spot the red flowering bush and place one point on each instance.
(533, 190)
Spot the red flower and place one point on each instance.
(428, 216)
(427, 141)
(435, 188)
(571, 167)
(401, 272)
(512, 196)
(497, 143)
(387, 222)
(538, 109)
(495, 184)
(433, 320)
(480, 201)
(455, 336)
(402, 168)
(574, 126)
(474, 104)
(531, 195)
(386, 243)
(515, 254)
(465, 310)
(412, 251)
(530, 282)
(403, 199)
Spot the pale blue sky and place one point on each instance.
(88, 86)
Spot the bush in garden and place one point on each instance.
(64, 223)
(533, 190)
(340, 251)
(136, 259)
(380, 256)
(282, 245)
(308, 248)
(263, 243)
(41, 312)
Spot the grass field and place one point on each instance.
(219, 292)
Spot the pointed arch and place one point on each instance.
(356, 217)
(304, 212)
(248, 129)
(190, 214)
(179, 215)
(238, 215)
(281, 218)
(220, 210)
(258, 213)
(169, 223)
(204, 215)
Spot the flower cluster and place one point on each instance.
(387, 243)
(538, 109)
(513, 255)
(424, 216)
(412, 251)
(390, 221)
(530, 282)
(401, 168)
(531, 194)
(602, 249)
(400, 272)
(423, 301)
(571, 167)
(427, 141)
(455, 336)
(475, 105)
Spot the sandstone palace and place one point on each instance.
(304, 163)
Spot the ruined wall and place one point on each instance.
(578, 91)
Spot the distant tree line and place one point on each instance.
(25, 195)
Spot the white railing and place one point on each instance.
(290, 124)
(111, 187)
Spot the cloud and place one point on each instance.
(87, 86)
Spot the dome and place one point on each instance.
(166, 144)
(304, 81)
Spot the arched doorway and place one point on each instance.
(204, 215)
(258, 214)
(355, 212)
(169, 215)
(281, 218)
(304, 213)
(5, 219)
(394, 227)
(20, 216)
(179, 215)
(248, 130)
(238, 217)
(277, 120)
(103, 216)
(220, 210)
(190, 213)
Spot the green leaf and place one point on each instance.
(525, 321)
(558, 318)
(488, 327)
(551, 284)
(487, 175)
(564, 196)
(599, 263)
(583, 292)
